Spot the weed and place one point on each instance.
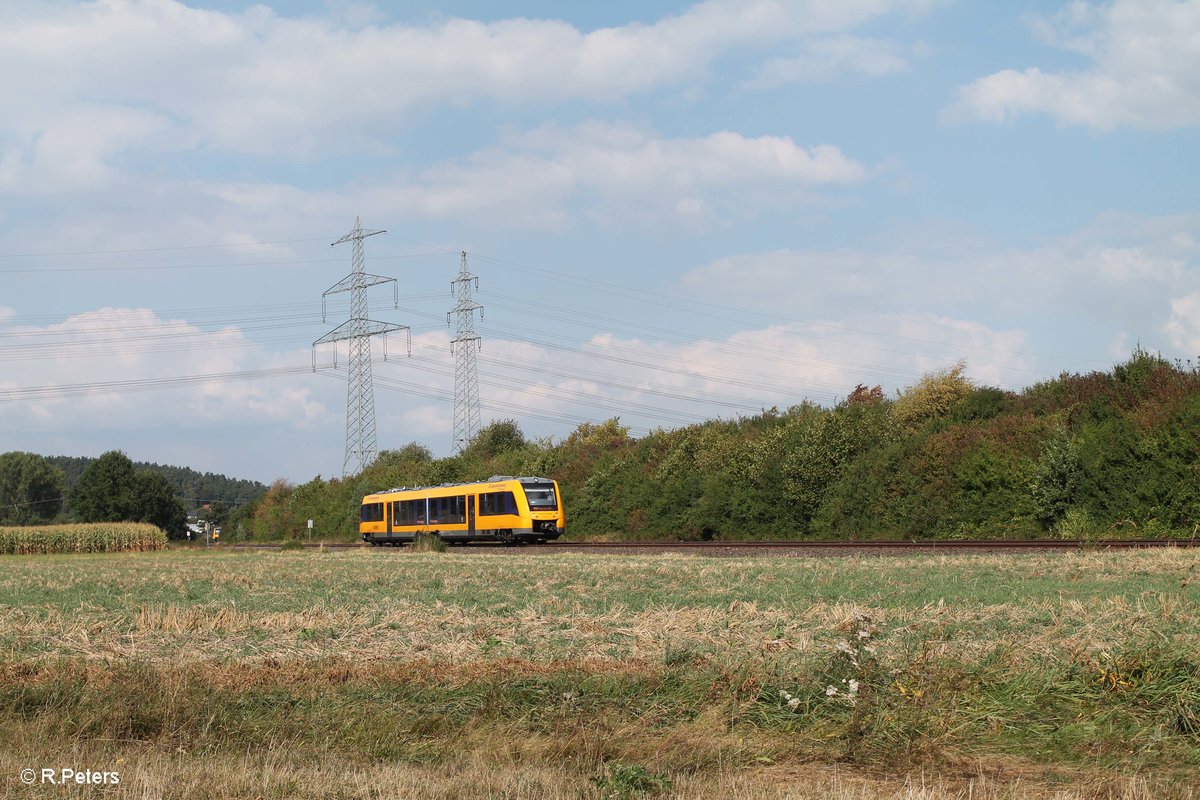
(629, 781)
(428, 543)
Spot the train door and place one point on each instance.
(470, 515)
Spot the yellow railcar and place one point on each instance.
(503, 508)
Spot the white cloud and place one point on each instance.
(1184, 324)
(1145, 71)
(831, 58)
(822, 360)
(545, 179)
(626, 174)
(1119, 273)
(256, 82)
(75, 150)
(88, 352)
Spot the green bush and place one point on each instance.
(944, 459)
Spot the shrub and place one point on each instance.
(1056, 478)
(932, 397)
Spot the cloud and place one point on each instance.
(1184, 324)
(830, 58)
(1120, 273)
(75, 150)
(822, 360)
(547, 178)
(1145, 70)
(259, 83)
(111, 361)
(624, 174)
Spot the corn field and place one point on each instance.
(96, 537)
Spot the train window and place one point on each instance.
(456, 510)
(541, 496)
(493, 504)
(371, 512)
(408, 512)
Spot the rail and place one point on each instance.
(807, 544)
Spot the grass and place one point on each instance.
(332, 674)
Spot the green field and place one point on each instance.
(341, 674)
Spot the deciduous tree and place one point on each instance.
(31, 489)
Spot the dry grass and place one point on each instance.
(364, 606)
(275, 775)
(369, 674)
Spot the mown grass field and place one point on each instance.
(398, 674)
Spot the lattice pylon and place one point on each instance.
(464, 345)
(361, 445)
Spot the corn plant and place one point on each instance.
(98, 537)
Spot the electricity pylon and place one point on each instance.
(358, 330)
(463, 345)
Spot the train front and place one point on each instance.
(545, 507)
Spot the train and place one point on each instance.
(504, 508)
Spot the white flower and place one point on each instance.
(831, 691)
(794, 702)
(853, 685)
(863, 633)
(785, 695)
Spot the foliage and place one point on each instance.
(1116, 452)
(1056, 479)
(824, 449)
(193, 488)
(111, 489)
(630, 781)
(932, 398)
(499, 437)
(31, 489)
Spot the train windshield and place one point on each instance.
(540, 496)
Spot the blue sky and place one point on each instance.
(677, 210)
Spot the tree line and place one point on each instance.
(37, 489)
(1113, 453)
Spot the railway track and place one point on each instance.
(798, 547)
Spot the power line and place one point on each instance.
(158, 249)
(146, 384)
